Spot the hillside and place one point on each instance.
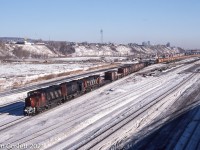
(55, 49)
(25, 51)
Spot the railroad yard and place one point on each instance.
(157, 106)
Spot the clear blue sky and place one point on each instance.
(123, 21)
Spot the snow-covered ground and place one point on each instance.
(18, 74)
(75, 123)
(72, 59)
(182, 132)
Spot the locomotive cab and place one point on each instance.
(31, 102)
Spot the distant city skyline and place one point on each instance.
(130, 21)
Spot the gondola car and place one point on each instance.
(111, 75)
(123, 71)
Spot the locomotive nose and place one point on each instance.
(29, 111)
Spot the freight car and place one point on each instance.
(40, 100)
(111, 75)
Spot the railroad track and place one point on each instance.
(101, 104)
(155, 81)
(89, 110)
(185, 145)
(7, 111)
(12, 123)
(176, 131)
(102, 134)
(155, 135)
(180, 109)
(106, 103)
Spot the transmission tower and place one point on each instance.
(101, 32)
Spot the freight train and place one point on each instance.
(43, 99)
(175, 58)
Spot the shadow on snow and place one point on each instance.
(15, 109)
(167, 136)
